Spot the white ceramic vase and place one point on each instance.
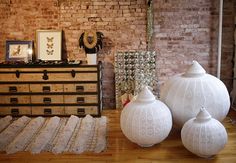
(145, 120)
(92, 59)
(185, 93)
(204, 135)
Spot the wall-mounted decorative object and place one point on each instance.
(145, 120)
(91, 41)
(185, 93)
(19, 50)
(49, 44)
(132, 71)
(204, 135)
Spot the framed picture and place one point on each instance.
(18, 50)
(49, 44)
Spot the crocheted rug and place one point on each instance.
(57, 135)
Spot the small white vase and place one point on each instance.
(185, 93)
(145, 120)
(92, 59)
(204, 135)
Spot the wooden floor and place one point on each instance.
(120, 149)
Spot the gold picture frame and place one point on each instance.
(49, 44)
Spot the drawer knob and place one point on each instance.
(12, 89)
(45, 75)
(14, 100)
(80, 111)
(46, 89)
(15, 111)
(79, 88)
(47, 111)
(80, 99)
(47, 100)
(73, 73)
(17, 73)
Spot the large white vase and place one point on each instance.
(145, 120)
(204, 135)
(185, 93)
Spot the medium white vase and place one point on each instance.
(204, 135)
(185, 93)
(92, 59)
(145, 120)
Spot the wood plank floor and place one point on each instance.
(120, 149)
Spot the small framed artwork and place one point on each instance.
(18, 50)
(49, 44)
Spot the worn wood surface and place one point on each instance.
(120, 149)
(47, 87)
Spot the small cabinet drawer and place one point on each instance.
(18, 110)
(80, 87)
(80, 99)
(81, 110)
(48, 110)
(13, 88)
(46, 87)
(43, 99)
(88, 76)
(15, 100)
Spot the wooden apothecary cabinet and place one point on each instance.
(49, 90)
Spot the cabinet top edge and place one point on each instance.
(46, 66)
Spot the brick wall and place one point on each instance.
(187, 30)
(21, 18)
(122, 22)
(184, 30)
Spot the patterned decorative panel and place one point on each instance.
(132, 71)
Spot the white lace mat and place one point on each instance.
(55, 134)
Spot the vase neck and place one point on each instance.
(203, 115)
(195, 70)
(145, 95)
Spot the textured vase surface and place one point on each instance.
(145, 120)
(185, 93)
(204, 135)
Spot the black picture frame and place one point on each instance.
(18, 50)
